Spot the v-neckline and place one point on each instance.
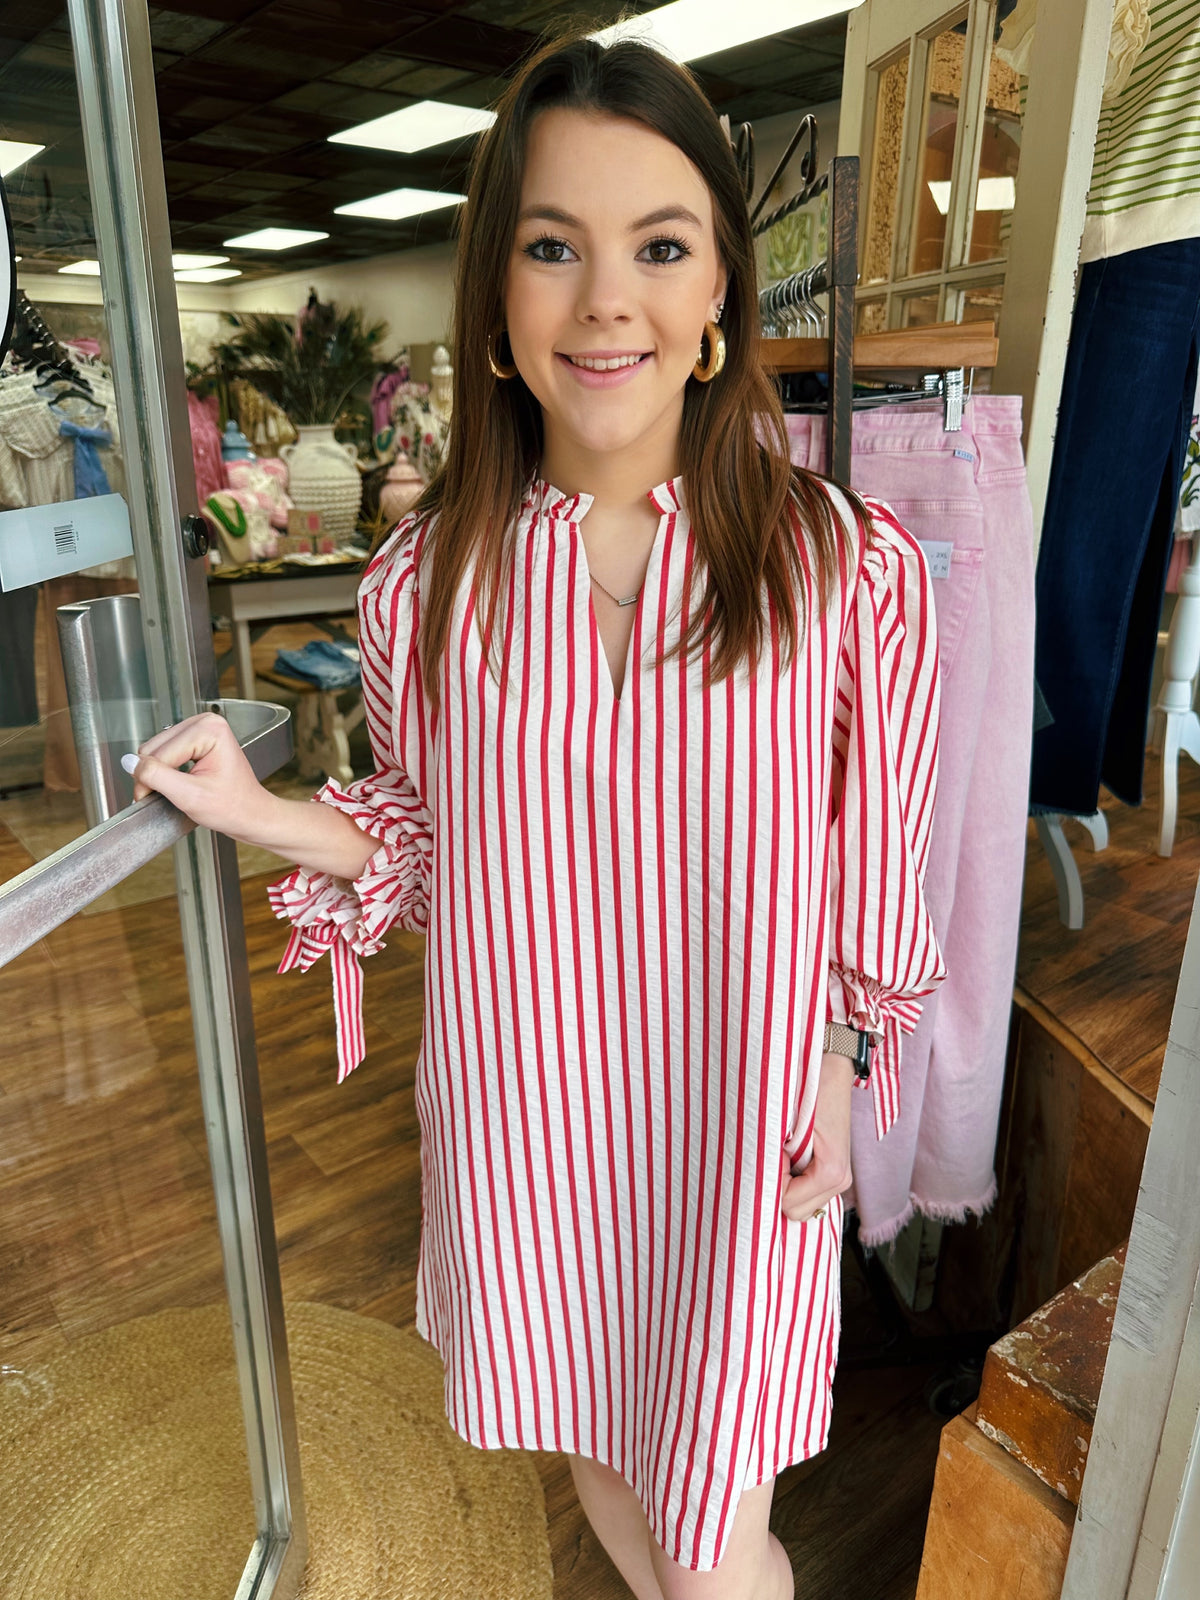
(597, 641)
(667, 499)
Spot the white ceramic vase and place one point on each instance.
(323, 476)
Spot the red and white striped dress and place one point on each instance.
(640, 914)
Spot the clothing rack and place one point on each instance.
(34, 344)
(938, 355)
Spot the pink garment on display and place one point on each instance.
(206, 446)
(967, 490)
(382, 390)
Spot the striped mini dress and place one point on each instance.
(640, 911)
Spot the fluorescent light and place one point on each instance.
(274, 239)
(194, 263)
(691, 29)
(397, 203)
(206, 274)
(14, 154)
(993, 194)
(417, 127)
(84, 269)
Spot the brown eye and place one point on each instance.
(666, 252)
(547, 249)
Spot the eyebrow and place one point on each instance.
(546, 213)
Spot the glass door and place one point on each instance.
(147, 1440)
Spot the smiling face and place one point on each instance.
(614, 272)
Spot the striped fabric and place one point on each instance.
(1146, 171)
(639, 917)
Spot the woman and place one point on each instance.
(655, 722)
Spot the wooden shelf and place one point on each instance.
(942, 344)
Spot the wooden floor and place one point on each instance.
(106, 1209)
(1112, 983)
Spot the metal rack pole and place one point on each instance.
(843, 276)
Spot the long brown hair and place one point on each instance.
(755, 517)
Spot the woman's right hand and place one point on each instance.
(220, 792)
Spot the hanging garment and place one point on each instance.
(966, 491)
(640, 916)
(47, 458)
(206, 446)
(1109, 524)
(16, 392)
(90, 477)
(1145, 186)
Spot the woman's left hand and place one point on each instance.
(828, 1172)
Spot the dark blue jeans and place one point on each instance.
(1110, 511)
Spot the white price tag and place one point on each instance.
(938, 556)
(40, 542)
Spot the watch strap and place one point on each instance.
(844, 1041)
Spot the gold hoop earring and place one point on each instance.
(705, 371)
(499, 369)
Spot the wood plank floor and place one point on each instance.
(1112, 982)
(106, 1209)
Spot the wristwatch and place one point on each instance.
(843, 1041)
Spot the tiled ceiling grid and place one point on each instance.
(250, 90)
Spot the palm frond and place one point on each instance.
(308, 365)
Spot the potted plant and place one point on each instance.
(310, 365)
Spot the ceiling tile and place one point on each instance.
(428, 82)
(171, 30)
(371, 72)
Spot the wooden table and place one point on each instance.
(254, 603)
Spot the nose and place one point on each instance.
(606, 293)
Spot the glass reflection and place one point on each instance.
(943, 91)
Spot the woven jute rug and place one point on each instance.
(123, 1470)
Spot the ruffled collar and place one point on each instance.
(543, 497)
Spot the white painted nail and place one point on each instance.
(130, 762)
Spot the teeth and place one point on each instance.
(608, 365)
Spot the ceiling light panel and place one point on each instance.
(398, 203)
(186, 263)
(14, 154)
(82, 269)
(692, 29)
(418, 127)
(206, 274)
(273, 239)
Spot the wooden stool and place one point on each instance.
(322, 728)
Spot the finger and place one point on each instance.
(158, 777)
(183, 744)
(204, 728)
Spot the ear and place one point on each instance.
(720, 289)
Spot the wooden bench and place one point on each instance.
(323, 728)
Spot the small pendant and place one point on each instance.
(632, 601)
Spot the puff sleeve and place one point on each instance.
(884, 954)
(349, 919)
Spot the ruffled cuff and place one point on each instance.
(860, 1002)
(348, 918)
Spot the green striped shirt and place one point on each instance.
(1146, 171)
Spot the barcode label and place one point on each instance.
(66, 539)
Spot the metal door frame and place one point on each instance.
(115, 74)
